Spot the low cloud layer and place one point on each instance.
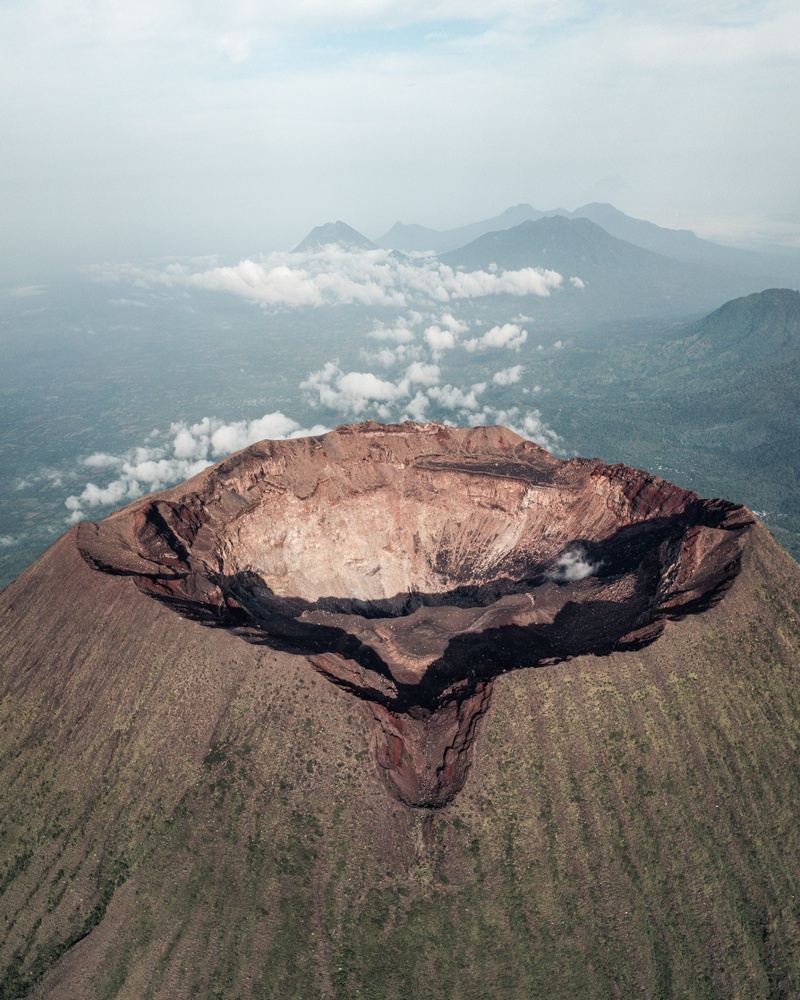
(510, 336)
(337, 275)
(508, 376)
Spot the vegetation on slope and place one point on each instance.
(193, 816)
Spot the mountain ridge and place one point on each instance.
(622, 280)
(681, 243)
(415, 237)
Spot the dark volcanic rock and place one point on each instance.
(412, 564)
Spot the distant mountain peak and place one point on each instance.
(403, 236)
(334, 232)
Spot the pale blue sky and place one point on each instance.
(163, 126)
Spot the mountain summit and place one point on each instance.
(270, 732)
(334, 233)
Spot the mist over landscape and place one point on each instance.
(588, 340)
(156, 280)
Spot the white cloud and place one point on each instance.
(450, 397)
(577, 282)
(388, 357)
(188, 445)
(449, 322)
(535, 429)
(443, 335)
(420, 373)
(400, 332)
(369, 386)
(510, 336)
(233, 437)
(282, 285)
(105, 496)
(439, 340)
(101, 460)
(337, 275)
(416, 409)
(508, 376)
(359, 393)
(6, 541)
(476, 284)
(352, 392)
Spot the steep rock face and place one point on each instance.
(413, 564)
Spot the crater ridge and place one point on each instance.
(414, 563)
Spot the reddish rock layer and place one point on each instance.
(414, 563)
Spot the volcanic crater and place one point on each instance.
(414, 563)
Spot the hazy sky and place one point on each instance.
(160, 126)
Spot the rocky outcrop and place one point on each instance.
(412, 564)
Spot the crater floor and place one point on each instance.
(414, 563)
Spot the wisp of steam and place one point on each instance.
(572, 565)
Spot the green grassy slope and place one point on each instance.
(187, 815)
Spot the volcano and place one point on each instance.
(287, 708)
(413, 564)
